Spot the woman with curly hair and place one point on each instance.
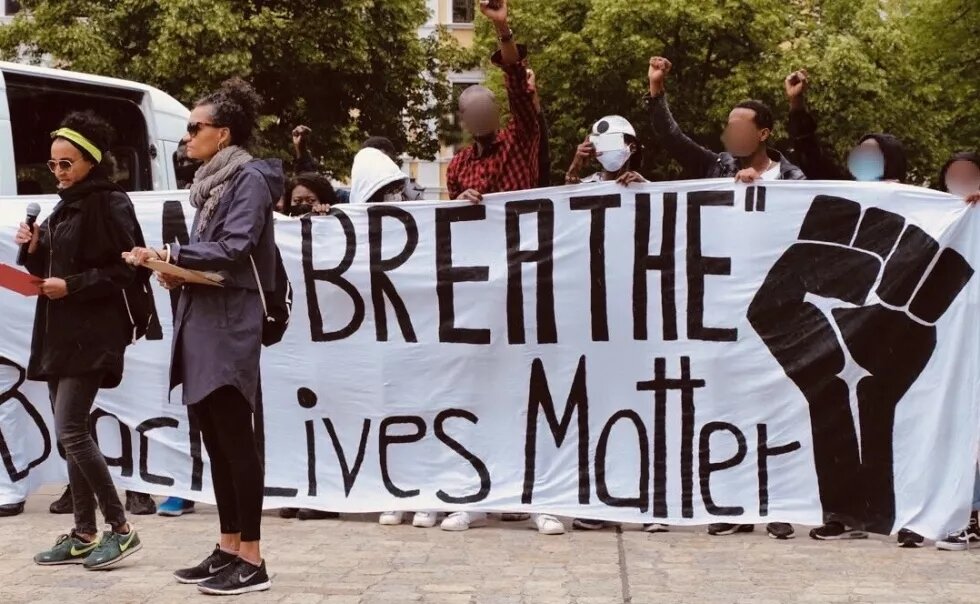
(82, 327)
(218, 330)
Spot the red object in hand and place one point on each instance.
(18, 281)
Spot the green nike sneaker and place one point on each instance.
(68, 549)
(113, 549)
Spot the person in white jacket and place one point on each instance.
(376, 178)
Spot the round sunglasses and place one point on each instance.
(60, 164)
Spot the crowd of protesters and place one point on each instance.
(213, 164)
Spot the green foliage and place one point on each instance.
(346, 68)
(875, 65)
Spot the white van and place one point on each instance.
(148, 122)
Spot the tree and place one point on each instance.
(943, 38)
(346, 68)
(591, 60)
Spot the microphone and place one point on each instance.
(33, 211)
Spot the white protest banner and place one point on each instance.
(690, 352)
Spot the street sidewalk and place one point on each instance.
(356, 561)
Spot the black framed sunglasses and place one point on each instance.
(193, 128)
(60, 164)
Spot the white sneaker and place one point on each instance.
(463, 521)
(425, 519)
(391, 518)
(548, 525)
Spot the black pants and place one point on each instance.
(225, 419)
(72, 399)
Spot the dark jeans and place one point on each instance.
(225, 418)
(72, 399)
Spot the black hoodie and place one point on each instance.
(816, 163)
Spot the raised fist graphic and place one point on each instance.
(856, 300)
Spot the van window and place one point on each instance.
(37, 106)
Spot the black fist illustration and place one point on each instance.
(856, 299)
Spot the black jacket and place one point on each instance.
(82, 242)
(698, 161)
(818, 164)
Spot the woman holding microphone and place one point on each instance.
(82, 327)
(218, 330)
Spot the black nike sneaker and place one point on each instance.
(240, 578)
(210, 567)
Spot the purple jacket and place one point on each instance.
(218, 331)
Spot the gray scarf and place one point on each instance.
(210, 181)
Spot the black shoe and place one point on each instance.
(310, 514)
(64, 504)
(589, 525)
(288, 513)
(211, 566)
(907, 538)
(240, 578)
(12, 509)
(140, 504)
(780, 530)
(835, 530)
(720, 529)
(973, 531)
(514, 517)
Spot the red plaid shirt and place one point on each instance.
(511, 162)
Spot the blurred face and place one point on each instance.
(68, 164)
(479, 114)
(303, 200)
(867, 162)
(963, 178)
(204, 138)
(742, 137)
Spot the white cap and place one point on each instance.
(613, 124)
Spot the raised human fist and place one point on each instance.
(657, 74)
(796, 85)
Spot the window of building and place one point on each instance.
(10, 7)
(463, 11)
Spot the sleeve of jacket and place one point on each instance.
(96, 283)
(305, 163)
(37, 263)
(248, 213)
(453, 185)
(694, 158)
(544, 152)
(807, 150)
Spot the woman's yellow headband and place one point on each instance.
(81, 141)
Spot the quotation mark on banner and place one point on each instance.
(856, 300)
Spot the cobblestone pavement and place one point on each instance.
(356, 561)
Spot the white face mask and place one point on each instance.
(613, 161)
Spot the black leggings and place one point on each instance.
(225, 419)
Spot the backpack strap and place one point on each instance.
(255, 271)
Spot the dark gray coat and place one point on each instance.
(218, 331)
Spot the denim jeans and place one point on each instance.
(72, 399)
